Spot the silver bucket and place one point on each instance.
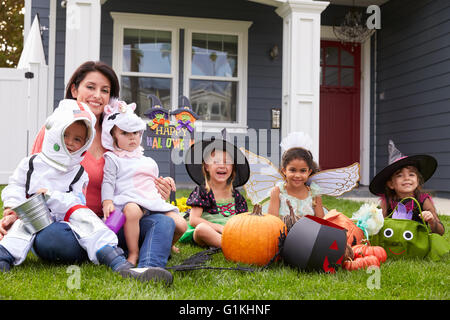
(34, 213)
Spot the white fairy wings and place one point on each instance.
(264, 175)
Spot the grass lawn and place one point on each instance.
(401, 279)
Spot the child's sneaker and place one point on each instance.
(148, 274)
(5, 266)
(113, 258)
(6, 260)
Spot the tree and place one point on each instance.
(11, 32)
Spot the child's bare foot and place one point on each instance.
(175, 249)
(133, 258)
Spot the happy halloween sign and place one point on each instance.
(164, 135)
(169, 137)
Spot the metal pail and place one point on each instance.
(34, 213)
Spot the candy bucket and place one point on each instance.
(34, 213)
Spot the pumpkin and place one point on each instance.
(252, 237)
(361, 263)
(354, 234)
(361, 250)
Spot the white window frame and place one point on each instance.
(138, 21)
(190, 25)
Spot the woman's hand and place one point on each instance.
(165, 186)
(9, 217)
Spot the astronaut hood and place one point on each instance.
(54, 150)
(119, 113)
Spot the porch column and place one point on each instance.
(301, 68)
(83, 21)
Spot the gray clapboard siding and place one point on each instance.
(264, 75)
(413, 76)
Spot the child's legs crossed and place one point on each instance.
(205, 235)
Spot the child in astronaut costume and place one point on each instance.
(129, 175)
(57, 173)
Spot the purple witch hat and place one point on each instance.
(184, 115)
(156, 107)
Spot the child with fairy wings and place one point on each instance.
(298, 180)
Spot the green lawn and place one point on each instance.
(402, 279)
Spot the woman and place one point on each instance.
(94, 83)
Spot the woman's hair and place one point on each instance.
(207, 176)
(299, 154)
(390, 194)
(92, 66)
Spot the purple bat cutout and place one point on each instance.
(401, 213)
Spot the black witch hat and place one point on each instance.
(424, 163)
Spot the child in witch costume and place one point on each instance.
(218, 167)
(128, 181)
(56, 172)
(404, 177)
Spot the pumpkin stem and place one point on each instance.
(257, 210)
(349, 254)
(290, 219)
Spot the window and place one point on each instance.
(148, 60)
(337, 66)
(213, 81)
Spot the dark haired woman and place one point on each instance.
(95, 83)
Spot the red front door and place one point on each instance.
(339, 104)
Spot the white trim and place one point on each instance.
(241, 79)
(326, 33)
(51, 55)
(27, 19)
(301, 51)
(144, 21)
(201, 25)
(83, 24)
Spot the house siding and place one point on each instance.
(413, 84)
(264, 74)
(41, 8)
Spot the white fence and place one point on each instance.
(23, 108)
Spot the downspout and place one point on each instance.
(375, 105)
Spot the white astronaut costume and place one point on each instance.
(129, 176)
(55, 169)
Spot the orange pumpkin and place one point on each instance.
(361, 250)
(252, 237)
(361, 263)
(354, 234)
